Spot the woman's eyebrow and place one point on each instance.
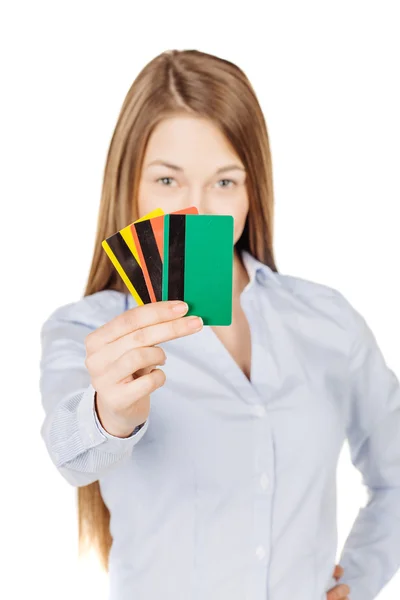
(176, 168)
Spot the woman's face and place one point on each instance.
(189, 162)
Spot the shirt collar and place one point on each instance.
(256, 269)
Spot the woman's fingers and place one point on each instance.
(140, 388)
(339, 592)
(338, 572)
(132, 320)
(161, 332)
(148, 336)
(144, 371)
(130, 362)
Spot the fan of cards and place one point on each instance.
(178, 256)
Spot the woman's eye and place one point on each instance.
(163, 179)
(230, 180)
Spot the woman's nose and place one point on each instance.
(196, 198)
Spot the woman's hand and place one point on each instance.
(339, 592)
(121, 357)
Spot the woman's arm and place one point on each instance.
(371, 555)
(78, 445)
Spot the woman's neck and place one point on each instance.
(240, 277)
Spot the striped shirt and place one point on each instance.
(228, 490)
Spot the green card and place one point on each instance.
(198, 265)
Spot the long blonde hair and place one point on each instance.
(203, 85)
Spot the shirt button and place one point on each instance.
(264, 481)
(260, 552)
(259, 410)
(261, 276)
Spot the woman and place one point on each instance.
(214, 477)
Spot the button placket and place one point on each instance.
(264, 384)
(263, 476)
(264, 481)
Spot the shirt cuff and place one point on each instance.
(106, 433)
(94, 434)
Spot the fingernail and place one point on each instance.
(195, 323)
(180, 307)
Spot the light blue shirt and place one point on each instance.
(228, 491)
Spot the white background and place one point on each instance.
(327, 77)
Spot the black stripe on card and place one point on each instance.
(129, 264)
(176, 257)
(151, 255)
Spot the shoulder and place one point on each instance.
(89, 311)
(304, 287)
(325, 301)
(307, 290)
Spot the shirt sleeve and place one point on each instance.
(80, 448)
(371, 554)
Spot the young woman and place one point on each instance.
(214, 477)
